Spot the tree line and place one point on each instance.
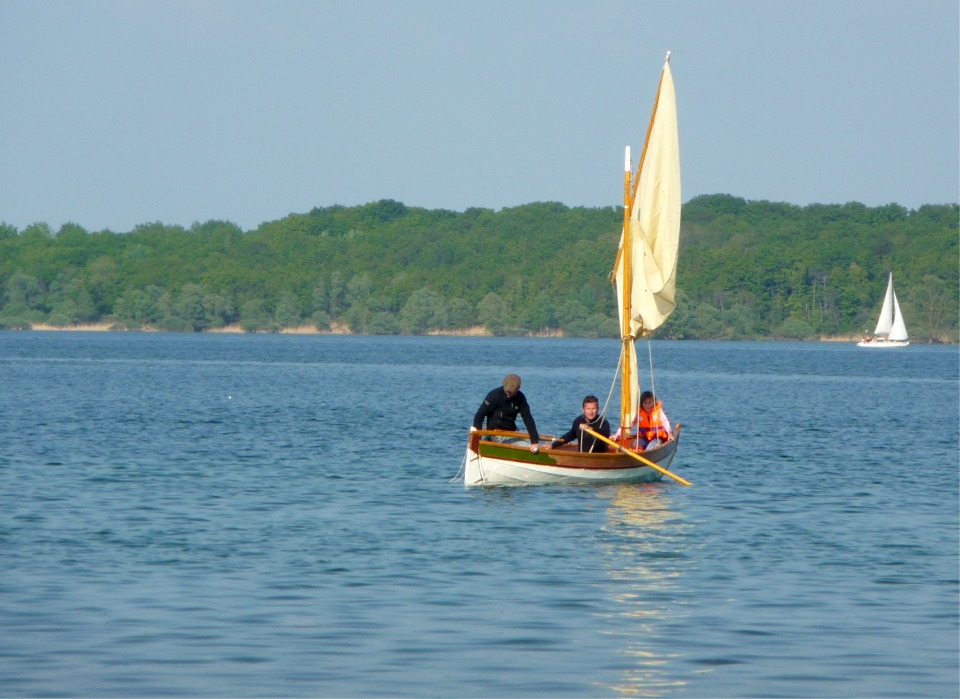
(747, 270)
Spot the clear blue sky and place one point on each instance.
(116, 113)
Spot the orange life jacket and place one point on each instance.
(650, 425)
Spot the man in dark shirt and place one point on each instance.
(592, 419)
(501, 407)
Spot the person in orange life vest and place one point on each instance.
(651, 424)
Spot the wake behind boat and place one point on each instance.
(891, 330)
(645, 277)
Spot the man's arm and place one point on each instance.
(528, 422)
(486, 407)
(572, 435)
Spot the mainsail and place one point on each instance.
(646, 265)
(890, 325)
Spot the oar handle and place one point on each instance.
(637, 457)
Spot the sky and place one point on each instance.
(116, 113)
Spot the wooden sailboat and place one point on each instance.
(891, 330)
(645, 276)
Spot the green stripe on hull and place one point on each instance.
(496, 451)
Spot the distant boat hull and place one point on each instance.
(883, 344)
(498, 463)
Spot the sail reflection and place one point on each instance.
(646, 548)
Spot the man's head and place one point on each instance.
(511, 384)
(591, 406)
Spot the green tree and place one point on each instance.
(382, 323)
(254, 317)
(935, 309)
(795, 329)
(708, 322)
(193, 307)
(461, 314)
(492, 312)
(76, 305)
(139, 308)
(543, 314)
(741, 322)
(337, 294)
(287, 314)
(425, 310)
(321, 320)
(21, 294)
(198, 309)
(571, 312)
(136, 309)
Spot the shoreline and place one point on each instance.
(236, 329)
(341, 329)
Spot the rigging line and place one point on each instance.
(461, 474)
(653, 388)
(613, 385)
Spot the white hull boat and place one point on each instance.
(891, 330)
(645, 277)
(498, 463)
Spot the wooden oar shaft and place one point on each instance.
(636, 456)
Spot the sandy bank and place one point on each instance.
(335, 329)
(85, 327)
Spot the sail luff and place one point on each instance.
(646, 138)
(885, 321)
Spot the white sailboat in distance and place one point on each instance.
(891, 330)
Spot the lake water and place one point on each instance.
(265, 516)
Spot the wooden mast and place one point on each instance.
(626, 375)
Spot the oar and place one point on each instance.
(636, 456)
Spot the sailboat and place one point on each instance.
(645, 277)
(891, 331)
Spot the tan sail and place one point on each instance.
(646, 266)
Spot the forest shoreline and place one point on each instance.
(340, 329)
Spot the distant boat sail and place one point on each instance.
(891, 331)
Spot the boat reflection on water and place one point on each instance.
(647, 549)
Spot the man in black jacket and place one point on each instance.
(591, 418)
(501, 407)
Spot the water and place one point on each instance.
(250, 516)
